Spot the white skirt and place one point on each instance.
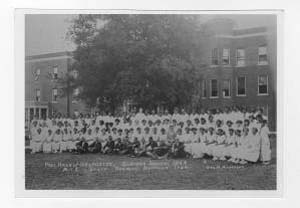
(47, 147)
(55, 146)
(35, 146)
(265, 153)
(63, 145)
(197, 150)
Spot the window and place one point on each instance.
(226, 56)
(204, 90)
(55, 72)
(54, 94)
(214, 88)
(226, 88)
(241, 86)
(262, 55)
(38, 95)
(262, 85)
(240, 57)
(214, 57)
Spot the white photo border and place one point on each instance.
(19, 52)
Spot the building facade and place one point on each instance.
(237, 67)
(240, 68)
(43, 89)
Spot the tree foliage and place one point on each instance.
(145, 58)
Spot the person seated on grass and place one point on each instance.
(134, 147)
(141, 150)
(93, 141)
(150, 148)
(82, 146)
(109, 146)
(177, 149)
(119, 146)
(210, 142)
(197, 147)
(126, 146)
(90, 140)
(251, 147)
(36, 142)
(164, 145)
(219, 148)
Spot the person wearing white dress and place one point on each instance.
(197, 148)
(180, 136)
(36, 141)
(219, 149)
(47, 144)
(57, 138)
(64, 141)
(90, 138)
(265, 151)
(210, 141)
(250, 148)
(188, 141)
(230, 144)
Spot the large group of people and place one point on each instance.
(238, 135)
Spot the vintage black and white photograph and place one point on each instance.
(151, 101)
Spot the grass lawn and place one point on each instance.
(95, 171)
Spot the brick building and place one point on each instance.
(237, 66)
(240, 68)
(43, 90)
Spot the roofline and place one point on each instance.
(50, 55)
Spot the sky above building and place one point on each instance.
(46, 33)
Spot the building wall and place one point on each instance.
(45, 82)
(250, 40)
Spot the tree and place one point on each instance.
(147, 58)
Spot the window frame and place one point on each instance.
(210, 94)
(237, 85)
(228, 90)
(203, 88)
(56, 100)
(237, 58)
(38, 98)
(258, 55)
(229, 62)
(262, 94)
(217, 58)
(55, 74)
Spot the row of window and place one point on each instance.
(54, 94)
(54, 74)
(262, 87)
(240, 56)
